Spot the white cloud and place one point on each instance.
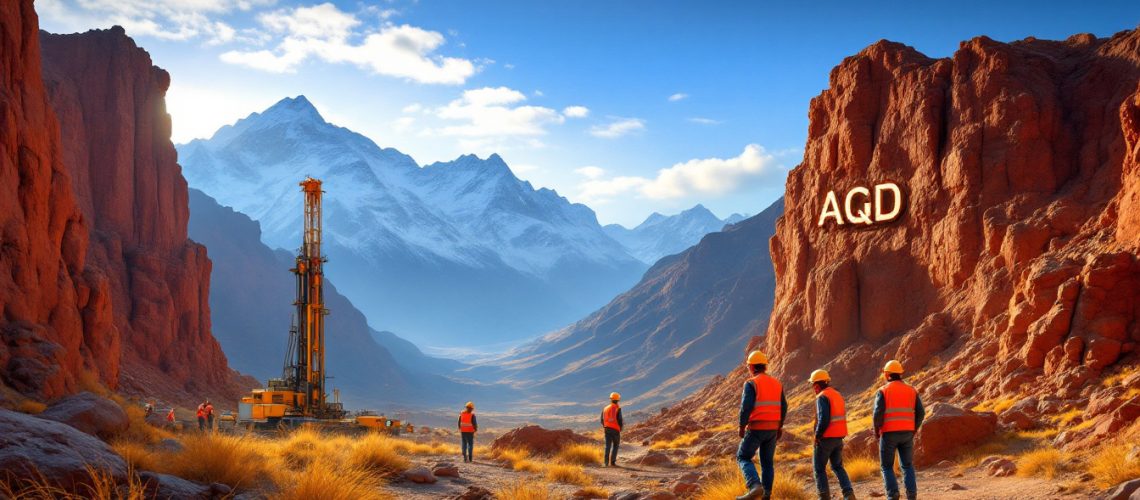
(709, 176)
(590, 172)
(705, 121)
(617, 128)
(412, 108)
(327, 33)
(495, 112)
(575, 111)
(678, 96)
(403, 123)
(162, 19)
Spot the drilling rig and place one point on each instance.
(299, 395)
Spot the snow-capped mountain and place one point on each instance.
(662, 235)
(461, 253)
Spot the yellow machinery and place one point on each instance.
(300, 393)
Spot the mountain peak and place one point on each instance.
(292, 108)
(698, 209)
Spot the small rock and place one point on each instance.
(1123, 491)
(682, 488)
(625, 495)
(655, 458)
(691, 477)
(420, 475)
(475, 493)
(659, 495)
(585, 494)
(167, 487)
(1002, 467)
(877, 494)
(445, 471)
(956, 487)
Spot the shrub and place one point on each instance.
(678, 442)
(581, 454)
(860, 468)
(1109, 466)
(240, 462)
(696, 460)
(377, 456)
(140, 431)
(723, 481)
(524, 490)
(327, 480)
(569, 474)
(100, 485)
(138, 456)
(789, 488)
(1044, 463)
(31, 407)
(593, 492)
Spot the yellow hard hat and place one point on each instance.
(820, 376)
(757, 358)
(615, 396)
(893, 366)
(470, 405)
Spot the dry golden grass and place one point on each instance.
(139, 430)
(526, 465)
(100, 485)
(1045, 463)
(724, 428)
(568, 473)
(305, 446)
(787, 487)
(580, 454)
(696, 460)
(724, 481)
(240, 462)
(138, 455)
(1118, 378)
(681, 441)
(524, 490)
(1109, 467)
(327, 480)
(997, 405)
(414, 448)
(510, 455)
(1068, 416)
(1038, 434)
(377, 456)
(593, 492)
(860, 468)
(30, 406)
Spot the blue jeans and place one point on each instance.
(467, 445)
(613, 439)
(903, 442)
(765, 443)
(829, 449)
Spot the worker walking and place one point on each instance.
(467, 428)
(611, 426)
(762, 411)
(898, 414)
(202, 417)
(170, 417)
(830, 429)
(209, 416)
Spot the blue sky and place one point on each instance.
(630, 107)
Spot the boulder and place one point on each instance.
(90, 413)
(861, 444)
(420, 475)
(445, 469)
(475, 493)
(584, 493)
(949, 430)
(654, 459)
(1123, 491)
(538, 440)
(167, 487)
(59, 452)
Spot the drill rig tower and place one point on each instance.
(300, 392)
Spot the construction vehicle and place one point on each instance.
(299, 395)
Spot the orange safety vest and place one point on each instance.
(609, 417)
(765, 414)
(201, 411)
(465, 424)
(837, 428)
(170, 416)
(899, 399)
(209, 410)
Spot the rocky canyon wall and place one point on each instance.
(1012, 270)
(105, 285)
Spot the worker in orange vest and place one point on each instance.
(898, 414)
(209, 415)
(467, 427)
(170, 417)
(830, 429)
(762, 411)
(202, 417)
(611, 426)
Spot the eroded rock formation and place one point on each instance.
(1012, 273)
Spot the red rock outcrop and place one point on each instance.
(110, 102)
(1012, 271)
(98, 281)
(538, 440)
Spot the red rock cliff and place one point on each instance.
(103, 277)
(1012, 272)
(110, 101)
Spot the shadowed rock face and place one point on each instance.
(97, 275)
(1012, 271)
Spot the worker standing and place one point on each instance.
(209, 416)
(170, 417)
(762, 411)
(898, 414)
(611, 425)
(830, 429)
(202, 417)
(467, 428)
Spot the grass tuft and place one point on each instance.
(524, 490)
(30, 406)
(592, 492)
(1045, 463)
(376, 455)
(240, 462)
(860, 468)
(1109, 467)
(580, 454)
(682, 441)
(328, 481)
(568, 473)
